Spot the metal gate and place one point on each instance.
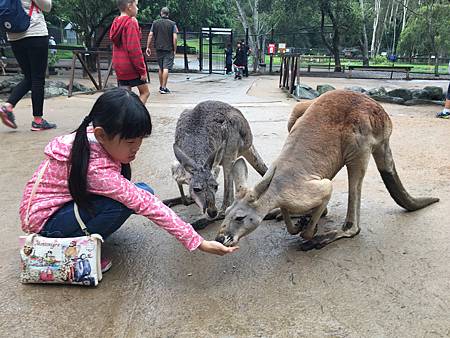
(212, 44)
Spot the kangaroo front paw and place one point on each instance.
(172, 201)
(274, 214)
(302, 222)
(201, 223)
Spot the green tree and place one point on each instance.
(259, 17)
(343, 15)
(428, 32)
(189, 14)
(92, 18)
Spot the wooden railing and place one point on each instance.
(289, 72)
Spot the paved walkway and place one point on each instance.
(390, 281)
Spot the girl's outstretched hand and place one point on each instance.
(216, 248)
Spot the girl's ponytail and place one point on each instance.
(126, 171)
(79, 160)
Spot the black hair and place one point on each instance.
(119, 112)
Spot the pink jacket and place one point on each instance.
(103, 178)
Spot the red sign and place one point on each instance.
(271, 48)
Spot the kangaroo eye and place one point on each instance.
(197, 189)
(240, 218)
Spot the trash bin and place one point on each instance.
(262, 67)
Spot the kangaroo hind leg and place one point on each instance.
(356, 170)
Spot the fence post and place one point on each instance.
(262, 56)
(271, 55)
(231, 39)
(436, 67)
(200, 53)
(186, 65)
(210, 50)
(281, 71)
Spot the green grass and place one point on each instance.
(417, 68)
(196, 44)
(64, 54)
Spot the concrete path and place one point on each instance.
(390, 281)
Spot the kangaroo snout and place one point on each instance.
(225, 237)
(226, 240)
(212, 213)
(220, 238)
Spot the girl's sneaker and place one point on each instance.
(44, 125)
(7, 117)
(105, 264)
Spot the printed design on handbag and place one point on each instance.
(58, 260)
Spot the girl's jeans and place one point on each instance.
(109, 217)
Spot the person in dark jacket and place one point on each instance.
(239, 61)
(229, 58)
(247, 52)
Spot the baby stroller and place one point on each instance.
(238, 71)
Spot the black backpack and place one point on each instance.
(13, 18)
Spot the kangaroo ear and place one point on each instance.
(261, 187)
(184, 159)
(240, 175)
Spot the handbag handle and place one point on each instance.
(80, 221)
(33, 192)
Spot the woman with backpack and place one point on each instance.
(30, 48)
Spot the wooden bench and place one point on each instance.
(392, 69)
(329, 67)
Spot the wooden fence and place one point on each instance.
(289, 72)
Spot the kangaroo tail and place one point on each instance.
(386, 167)
(256, 161)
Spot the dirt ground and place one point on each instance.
(392, 280)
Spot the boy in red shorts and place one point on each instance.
(128, 60)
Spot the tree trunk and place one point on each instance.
(377, 9)
(405, 9)
(334, 46)
(256, 54)
(253, 34)
(365, 44)
(90, 58)
(381, 32)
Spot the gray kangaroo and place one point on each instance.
(338, 128)
(210, 135)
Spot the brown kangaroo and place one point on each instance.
(340, 128)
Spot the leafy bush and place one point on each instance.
(53, 58)
(378, 59)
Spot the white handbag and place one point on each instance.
(73, 260)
